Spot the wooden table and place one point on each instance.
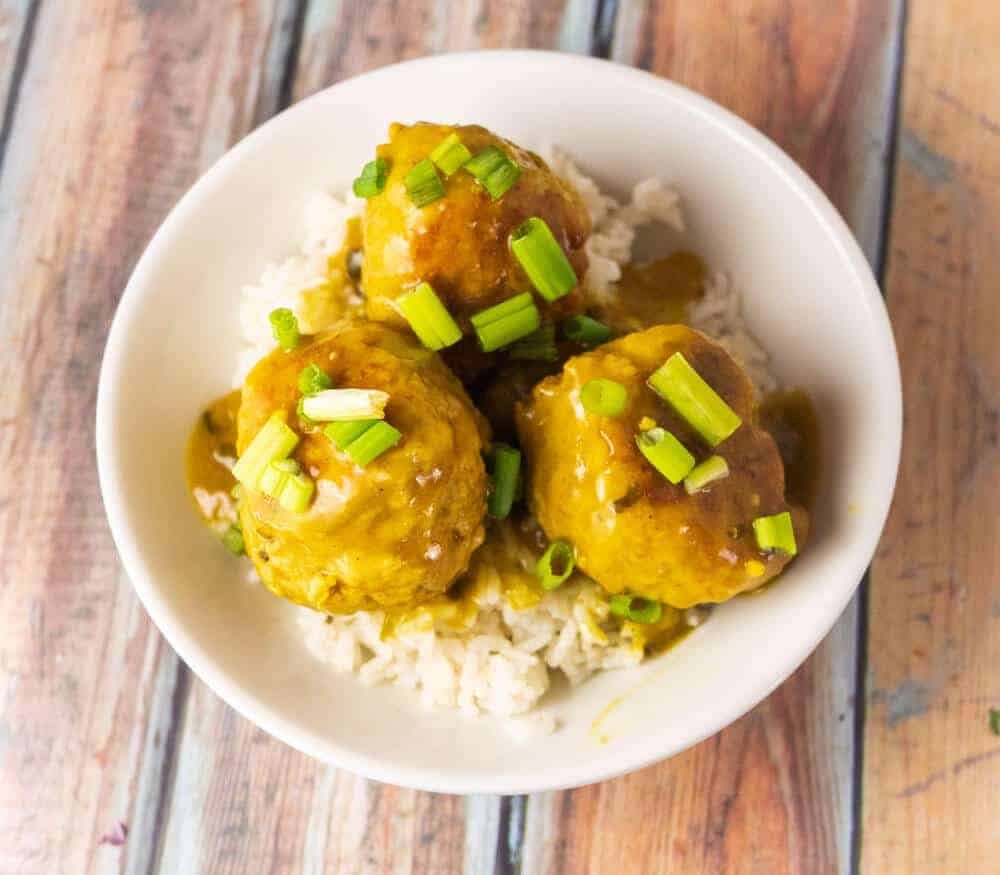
(875, 756)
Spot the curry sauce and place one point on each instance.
(210, 453)
(791, 419)
(659, 292)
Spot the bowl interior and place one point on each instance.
(808, 296)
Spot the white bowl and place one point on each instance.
(810, 297)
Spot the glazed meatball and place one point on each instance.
(395, 532)
(458, 243)
(633, 530)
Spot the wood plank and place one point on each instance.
(121, 105)
(15, 16)
(241, 800)
(931, 764)
(16, 19)
(773, 793)
(347, 38)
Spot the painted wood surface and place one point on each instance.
(120, 107)
(931, 764)
(774, 792)
(16, 17)
(240, 800)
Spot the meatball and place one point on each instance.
(458, 243)
(633, 530)
(393, 533)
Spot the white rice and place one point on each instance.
(502, 662)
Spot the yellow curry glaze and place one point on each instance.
(396, 532)
(655, 293)
(333, 299)
(211, 450)
(791, 419)
(632, 529)
(458, 243)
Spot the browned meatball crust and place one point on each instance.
(633, 530)
(395, 532)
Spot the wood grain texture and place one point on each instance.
(931, 764)
(120, 107)
(774, 792)
(15, 17)
(346, 38)
(240, 800)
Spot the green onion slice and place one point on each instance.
(272, 443)
(450, 154)
(313, 379)
(543, 259)
(372, 179)
(296, 493)
(343, 434)
(511, 320)
(776, 533)
(586, 331)
(272, 481)
(707, 472)
(603, 397)
(285, 328)
(636, 608)
(556, 565)
(336, 405)
(665, 453)
(539, 346)
(681, 386)
(301, 413)
(428, 318)
(423, 184)
(373, 442)
(505, 469)
(364, 440)
(232, 540)
(494, 170)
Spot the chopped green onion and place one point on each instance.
(313, 379)
(499, 311)
(296, 493)
(543, 259)
(995, 721)
(301, 413)
(336, 405)
(343, 434)
(636, 608)
(423, 184)
(285, 328)
(712, 469)
(556, 565)
(428, 318)
(272, 481)
(273, 442)
(511, 320)
(288, 466)
(776, 533)
(665, 453)
(494, 170)
(540, 346)
(450, 154)
(505, 469)
(373, 442)
(603, 397)
(237, 491)
(372, 178)
(586, 331)
(233, 541)
(681, 386)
